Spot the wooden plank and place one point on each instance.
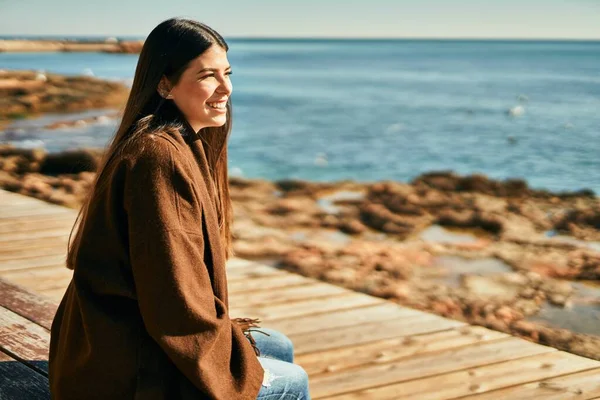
(256, 272)
(35, 211)
(8, 237)
(16, 200)
(33, 262)
(24, 340)
(343, 318)
(19, 382)
(581, 385)
(54, 295)
(287, 294)
(7, 254)
(343, 382)
(394, 349)
(267, 283)
(28, 226)
(480, 379)
(27, 305)
(371, 332)
(235, 263)
(46, 242)
(27, 221)
(266, 313)
(39, 279)
(7, 208)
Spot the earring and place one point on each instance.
(164, 94)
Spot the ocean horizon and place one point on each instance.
(305, 38)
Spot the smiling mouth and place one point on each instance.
(221, 105)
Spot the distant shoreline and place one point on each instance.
(108, 45)
(133, 44)
(107, 41)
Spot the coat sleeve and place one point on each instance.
(173, 285)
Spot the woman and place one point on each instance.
(146, 313)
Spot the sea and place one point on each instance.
(371, 110)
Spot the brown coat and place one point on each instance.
(146, 313)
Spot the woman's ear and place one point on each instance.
(164, 88)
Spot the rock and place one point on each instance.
(352, 227)
(24, 92)
(379, 217)
(580, 216)
(110, 45)
(470, 219)
(291, 205)
(298, 187)
(562, 288)
(557, 300)
(395, 267)
(526, 307)
(490, 288)
(70, 162)
(508, 315)
(9, 182)
(344, 276)
(527, 329)
(451, 182)
(31, 155)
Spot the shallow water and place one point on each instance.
(30, 133)
(329, 236)
(454, 267)
(582, 313)
(568, 239)
(327, 203)
(439, 234)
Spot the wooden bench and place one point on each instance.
(25, 321)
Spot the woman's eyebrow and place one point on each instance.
(212, 69)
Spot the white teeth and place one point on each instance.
(221, 106)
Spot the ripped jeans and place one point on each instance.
(287, 381)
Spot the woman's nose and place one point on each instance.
(225, 87)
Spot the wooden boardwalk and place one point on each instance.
(352, 345)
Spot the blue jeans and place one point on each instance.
(288, 381)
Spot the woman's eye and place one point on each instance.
(213, 75)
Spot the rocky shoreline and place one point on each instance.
(109, 45)
(497, 254)
(25, 94)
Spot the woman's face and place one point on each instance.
(203, 89)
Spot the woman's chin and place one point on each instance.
(220, 120)
(217, 122)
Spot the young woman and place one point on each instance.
(146, 313)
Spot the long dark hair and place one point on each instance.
(167, 51)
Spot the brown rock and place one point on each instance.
(22, 93)
(70, 162)
(352, 227)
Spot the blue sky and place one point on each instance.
(561, 19)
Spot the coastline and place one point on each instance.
(491, 253)
(28, 94)
(110, 45)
